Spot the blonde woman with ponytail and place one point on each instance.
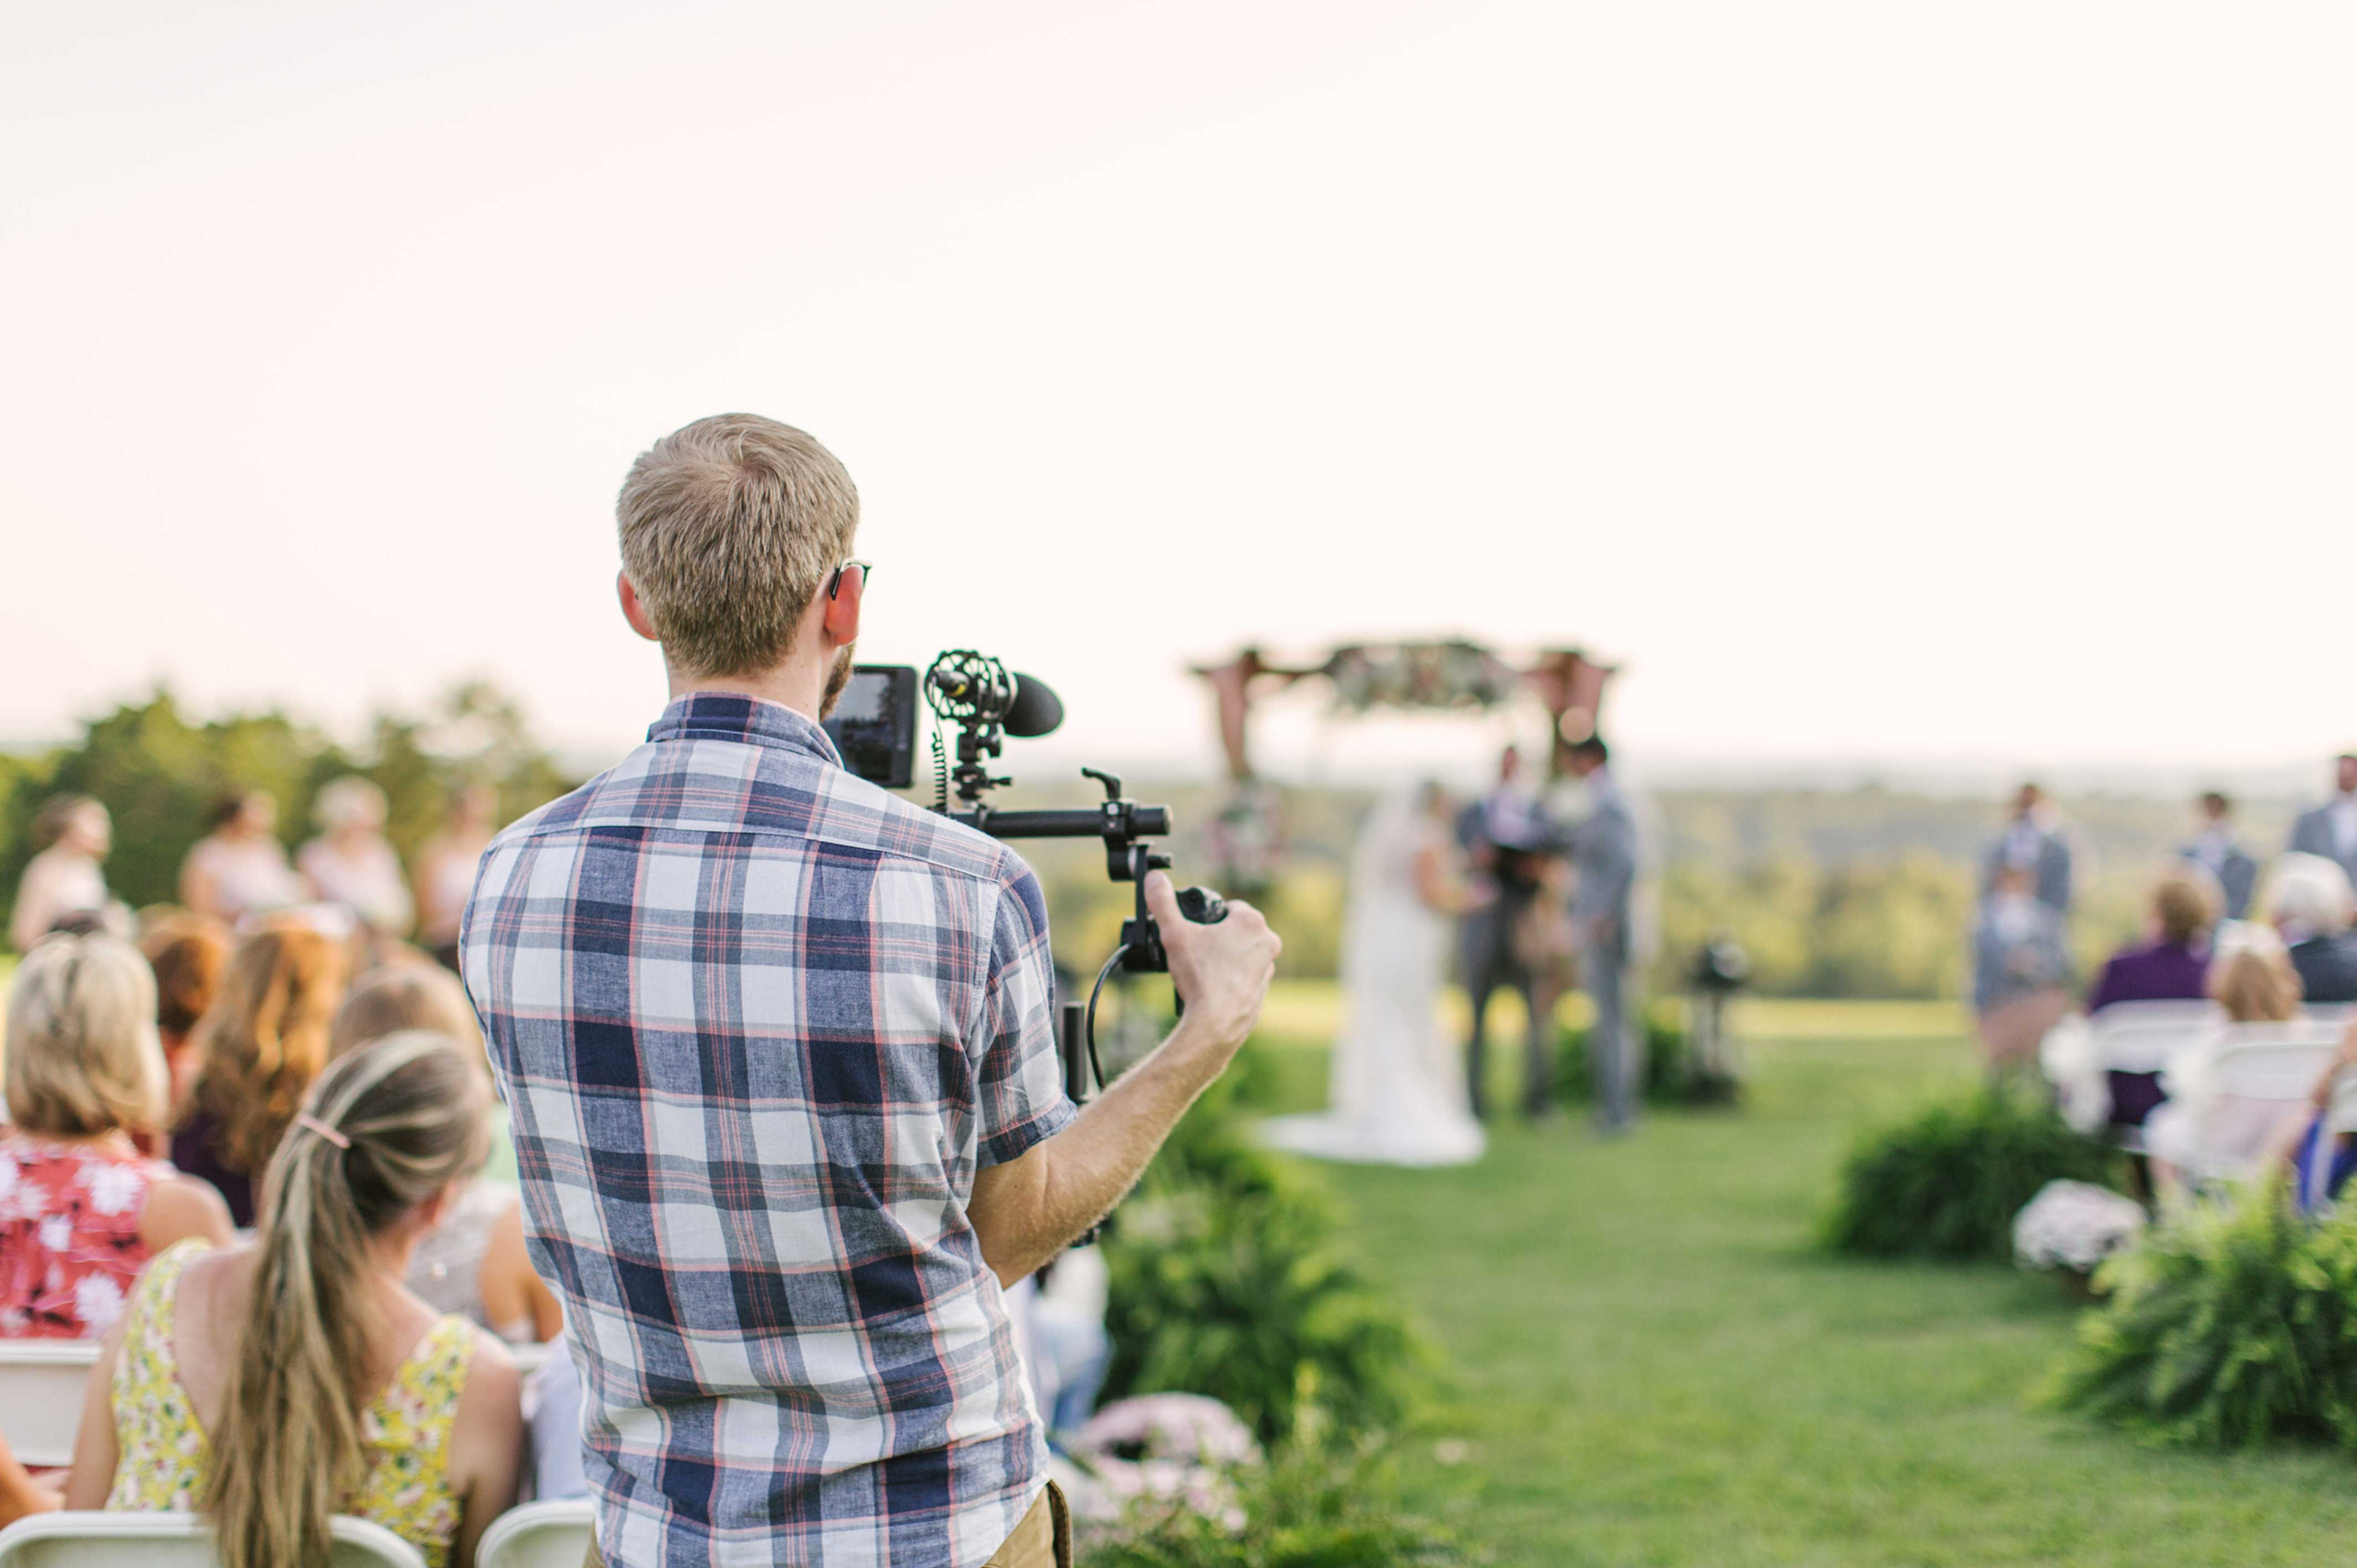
(273, 1385)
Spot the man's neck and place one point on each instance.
(787, 685)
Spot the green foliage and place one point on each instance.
(160, 773)
(1228, 1279)
(1313, 1506)
(1949, 1182)
(1672, 1074)
(2229, 1325)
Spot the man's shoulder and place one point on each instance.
(794, 799)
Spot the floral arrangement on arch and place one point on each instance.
(1452, 674)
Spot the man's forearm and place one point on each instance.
(1030, 1210)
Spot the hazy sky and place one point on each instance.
(1896, 383)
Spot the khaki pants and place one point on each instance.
(1042, 1540)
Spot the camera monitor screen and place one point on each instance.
(875, 724)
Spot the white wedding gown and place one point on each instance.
(1398, 1085)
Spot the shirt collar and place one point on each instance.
(749, 721)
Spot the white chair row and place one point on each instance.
(41, 1383)
(539, 1534)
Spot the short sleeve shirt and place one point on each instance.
(757, 1024)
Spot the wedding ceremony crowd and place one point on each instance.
(2236, 941)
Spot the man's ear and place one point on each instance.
(841, 613)
(633, 610)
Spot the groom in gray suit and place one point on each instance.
(2330, 830)
(1603, 856)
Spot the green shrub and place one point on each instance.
(1227, 1279)
(1672, 1074)
(1948, 1183)
(2227, 1326)
(1313, 1506)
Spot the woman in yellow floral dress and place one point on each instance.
(301, 1354)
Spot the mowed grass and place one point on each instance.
(1650, 1363)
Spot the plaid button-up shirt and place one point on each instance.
(757, 1024)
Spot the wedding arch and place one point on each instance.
(1449, 674)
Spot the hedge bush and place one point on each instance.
(2230, 1325)
(1672, 1076)
(1227, 1278)
(1315, 1506)
(1948, 1183)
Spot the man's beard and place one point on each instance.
(837, 679)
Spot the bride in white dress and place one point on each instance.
(1399, 1089)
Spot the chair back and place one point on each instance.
(2262, 1075)
(555, 1534)
(171, 1541)
(2141, 1036)
(40, 1398)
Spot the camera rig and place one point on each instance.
(986, 703)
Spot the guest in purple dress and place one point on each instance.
(2172, 966)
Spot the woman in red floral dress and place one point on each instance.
(81, 1210)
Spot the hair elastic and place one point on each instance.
(305, 1119)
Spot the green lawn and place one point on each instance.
(1649, 1364)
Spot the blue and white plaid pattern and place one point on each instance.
(757, 1024)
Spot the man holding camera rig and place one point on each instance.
(781, 1058)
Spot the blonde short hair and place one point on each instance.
(83, 1053)
(730, 527)
(2252, 978)
(347, 800)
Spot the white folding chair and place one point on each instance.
(2261, 1075)
(172, 1540)
(2145, 1037)
(40, 1398)
(538, 1535)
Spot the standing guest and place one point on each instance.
(2214, 850)
(2309, 900)
(85, 1209)
(473, 1260)
(2330, 830)
(2172, 964)
(445, 869)
(789, 1128)
(2021, 972)
(73, 833)
(188, 954)
(2032, 841)
(258, 1050)
(1504, 841)
(239, 869)
(273, 1385)
(350, 863)
(1604, 864)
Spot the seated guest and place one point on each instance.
(445, 869)
(2172, 964)
(2311, 904)
(2214, 850)
(274, 1384)
(86, 1209)
(474, 1260)
(2020, 968)
(73, 833)
(350, 864)
(258, 1050)
(2317, 1158)
(2253, 981)
(188, 954)
(239, 869)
